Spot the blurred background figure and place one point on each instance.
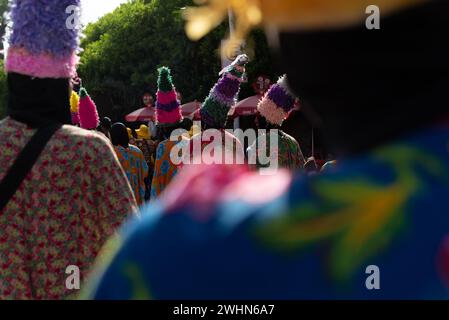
(273, 110)
(168, 119)
(105, 127)
(148, 147)
(376, 228)
(132, 160)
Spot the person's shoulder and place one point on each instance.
(135, 149)
(84, 139)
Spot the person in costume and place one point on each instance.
(168, 119)
(148, 147)
(214, 115)
(275, 107)
(73, 195)
(132, 160)
(375, 228)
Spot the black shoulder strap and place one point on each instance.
(24, 163)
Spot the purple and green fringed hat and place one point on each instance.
(168, 107)
(223, 96)
(277, 103)
(42, 44)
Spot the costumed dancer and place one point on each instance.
(132, 160)
(168, 118)
(214, 115)
(274, 108)
(379, 221)
(62, 191)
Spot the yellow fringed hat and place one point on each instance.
(143, 132)
(130, 133)
(283, 14)
(74, 102)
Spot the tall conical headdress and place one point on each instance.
(168, 108)
(43, 41)
(224, 94)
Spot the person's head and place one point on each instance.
(40, 65)
(148, 99)
(143, 132)
(262, 123)
(105, 126)
(119, 135)
(106, 123)
(166, 131)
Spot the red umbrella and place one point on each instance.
(190, 110)
(144, 114)
(148, 113)
(246, 107)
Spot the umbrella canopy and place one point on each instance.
(246, 107)
(144, 114)
(190, 110)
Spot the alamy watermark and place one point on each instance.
(72, 282)
(73, 21)
(214, 146)
(372, 22)
(372, 282)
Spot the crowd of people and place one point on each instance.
(141, 219)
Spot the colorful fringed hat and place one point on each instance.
(74, 107)
(277, 103)
(143, 132)
(168, 108)
(223, 96)
(41, 43)
(88, 113)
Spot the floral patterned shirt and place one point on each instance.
(136, 169)
(164, 168)
(379, 220)
(73, 199)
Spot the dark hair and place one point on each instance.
(106, 123)
(164, 132)
(119, 135)
(38, 102)
(264, 124)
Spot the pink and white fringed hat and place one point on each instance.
(44, 40)
(278, 103)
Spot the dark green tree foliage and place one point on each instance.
(124, 49)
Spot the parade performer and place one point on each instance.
(275, 107)
(132, 160)
(214, 115)
(168, 118)
(62, 191)
(375, 228)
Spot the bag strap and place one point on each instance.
(24, 163)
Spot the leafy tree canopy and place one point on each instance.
(124, 49)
